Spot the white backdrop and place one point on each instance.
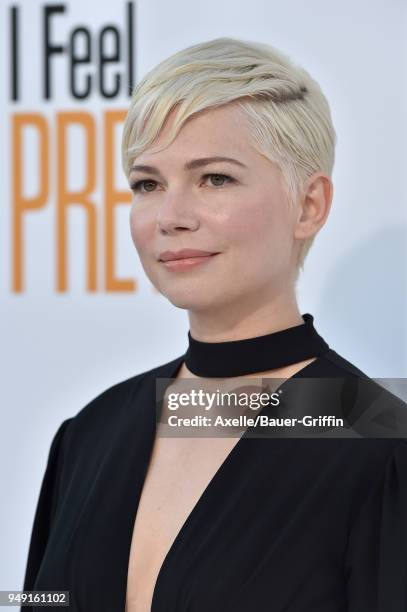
(60, 348)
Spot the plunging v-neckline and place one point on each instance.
(201, 500)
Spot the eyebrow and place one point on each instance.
(190, 165)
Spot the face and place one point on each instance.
(238, 210)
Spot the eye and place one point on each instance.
(136, 185)
(229, 179)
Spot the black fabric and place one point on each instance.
(268, 352)
(286, 524)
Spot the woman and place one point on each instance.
(229, 150)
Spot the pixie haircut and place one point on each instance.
(288, 116)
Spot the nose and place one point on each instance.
(176, 212)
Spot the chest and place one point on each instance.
(179, 471)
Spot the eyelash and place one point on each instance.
(135, 185)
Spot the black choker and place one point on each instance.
(258, 354)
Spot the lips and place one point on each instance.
(184, 254)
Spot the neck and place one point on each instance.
(283, 372)
(244, 321)
(257, 353)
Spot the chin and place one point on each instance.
(188, 297)
(199, 300)
(186, 302)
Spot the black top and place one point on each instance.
(286, 524)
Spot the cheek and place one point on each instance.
(261, 219)
(141, 228)
(264, 231)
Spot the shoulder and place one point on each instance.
(376, 417)
(372, 457)
(111, 404)
(333, 365)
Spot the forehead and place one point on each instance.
(216, 131)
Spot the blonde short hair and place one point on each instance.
(288, 115)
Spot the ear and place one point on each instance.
(315, 205)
